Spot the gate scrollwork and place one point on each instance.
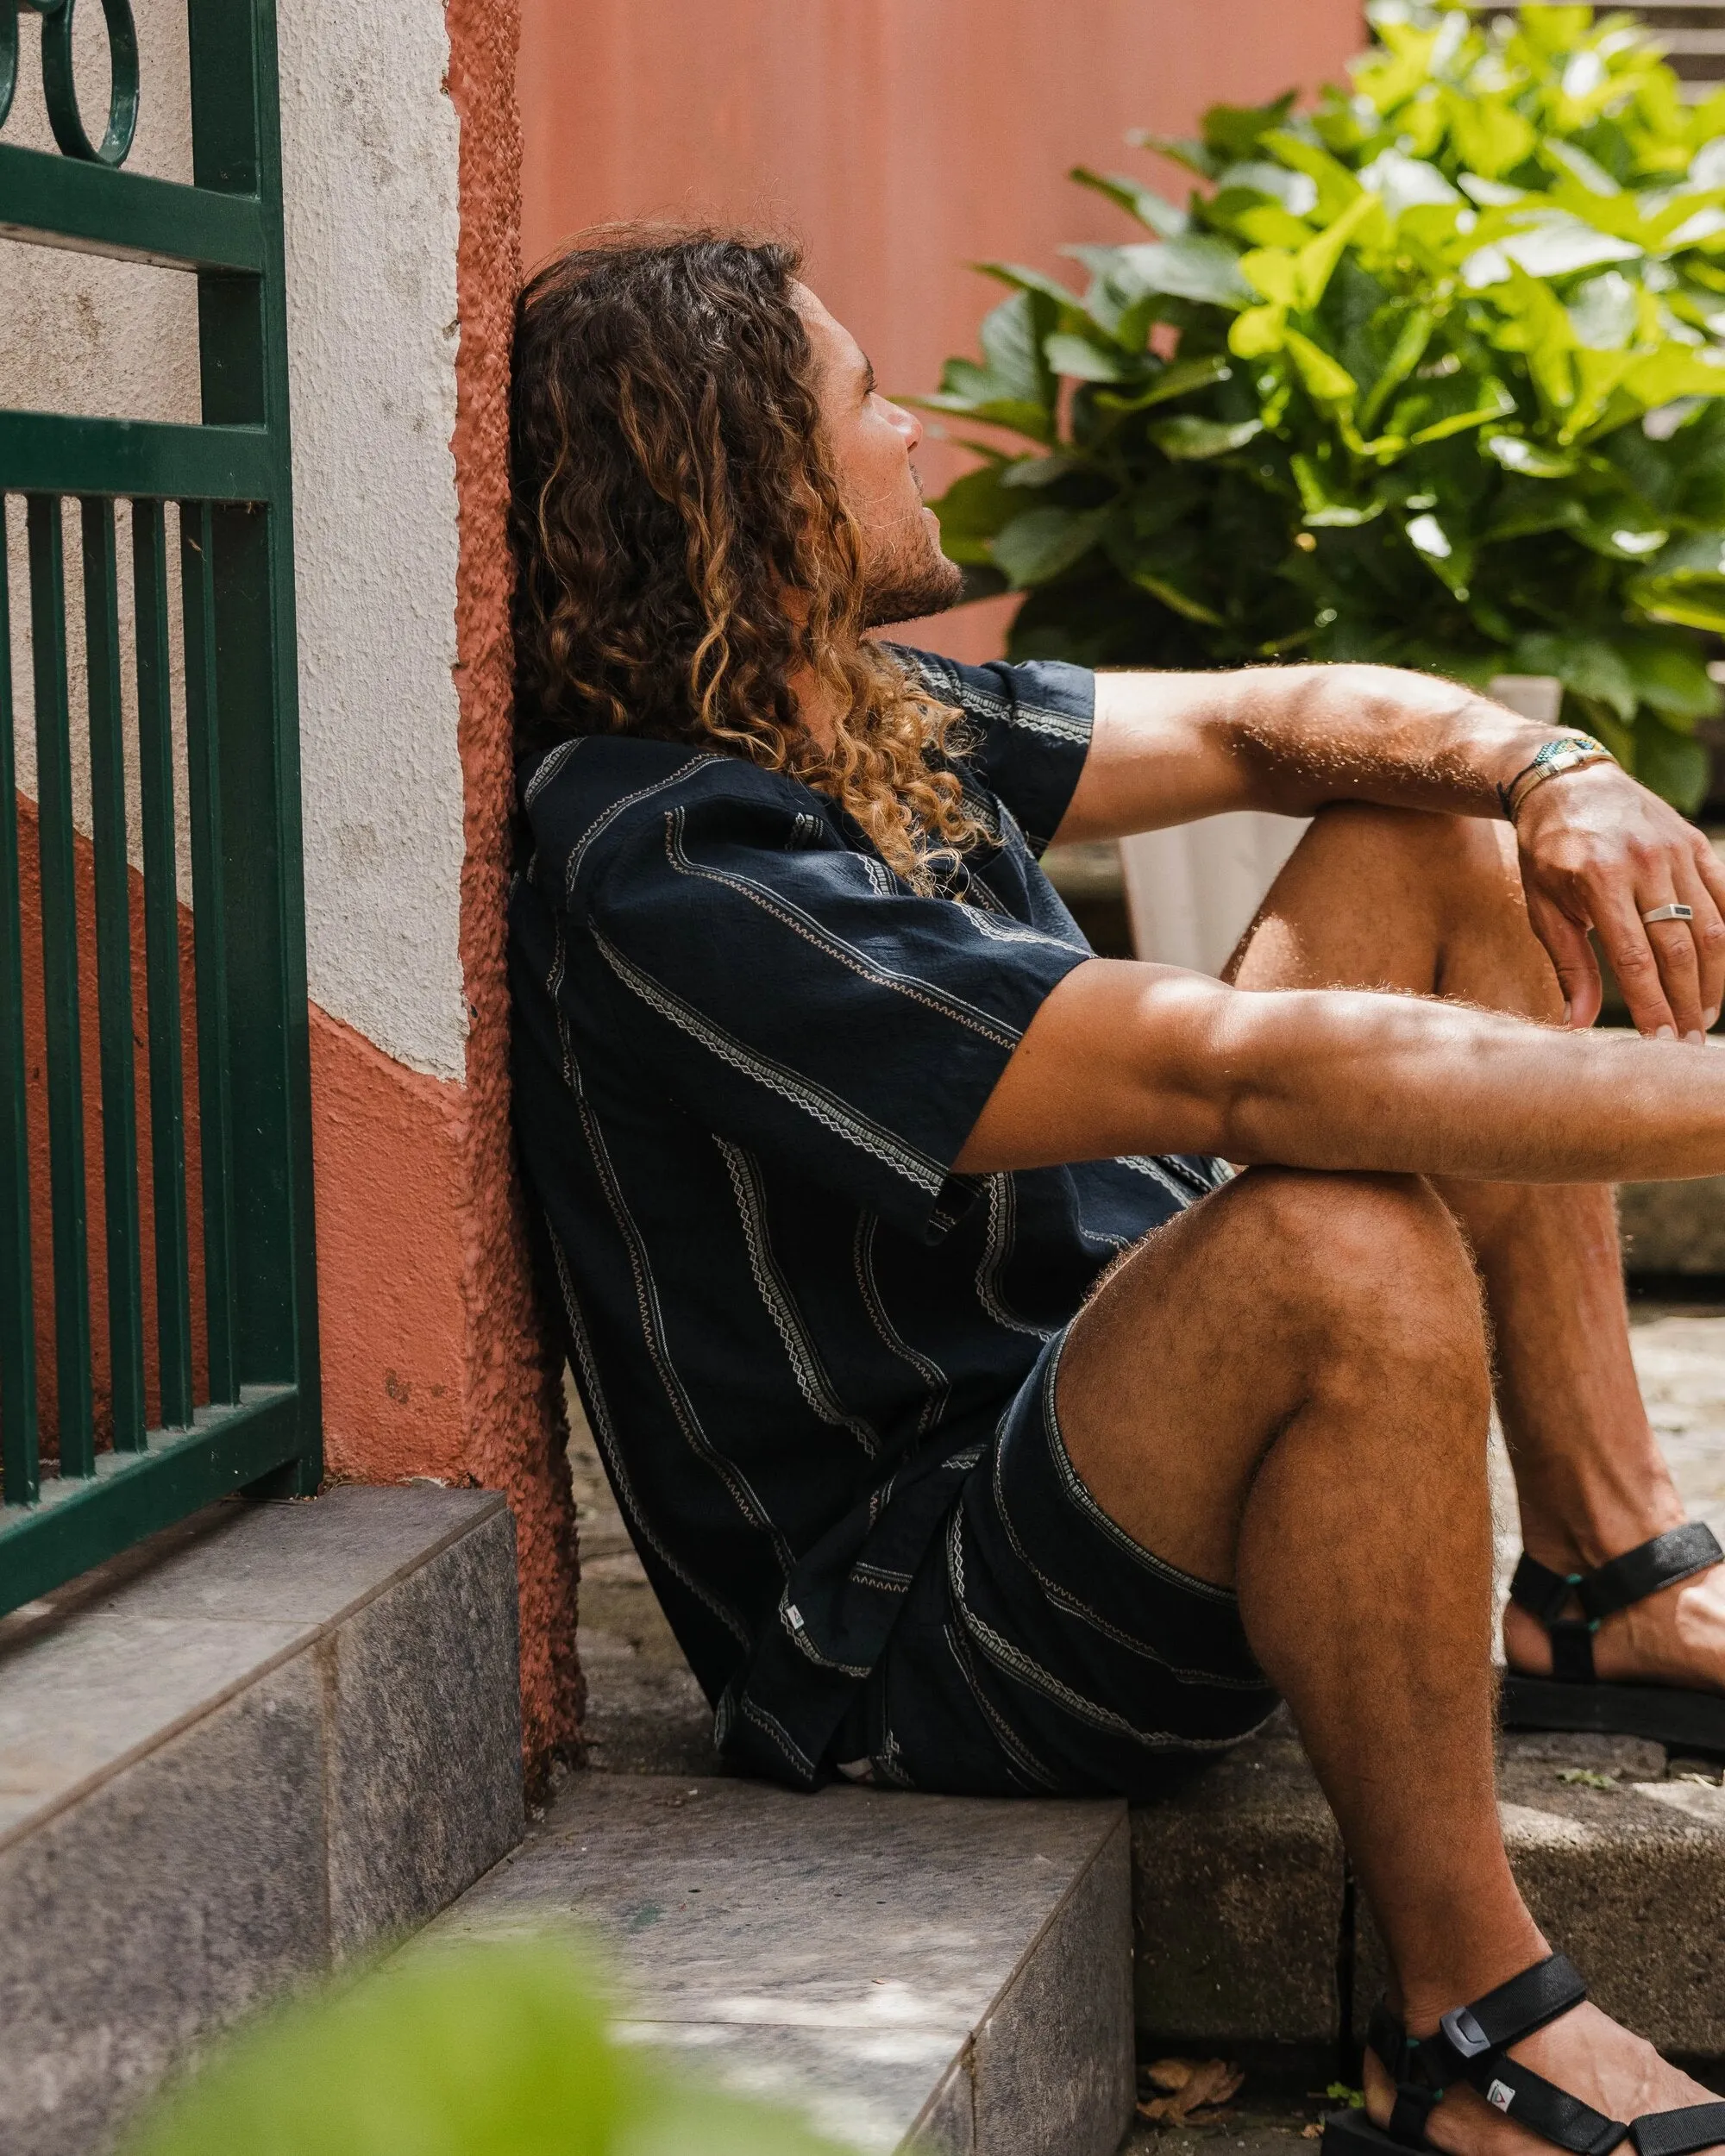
(58, 90)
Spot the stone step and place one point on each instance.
(1246, 1931)
(945, 1975)
(234, 1758)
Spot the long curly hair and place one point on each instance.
(682, 547)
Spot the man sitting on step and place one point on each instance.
(980, 1428)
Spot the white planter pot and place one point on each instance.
(1191, 891)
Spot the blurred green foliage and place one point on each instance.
(1433, 375)
(486, 2049)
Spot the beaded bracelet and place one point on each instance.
(1571, 752)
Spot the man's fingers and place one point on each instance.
(1707, 932)
(1711, 871)
(1571, 957)
(1644, 971)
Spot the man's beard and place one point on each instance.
(915, 579)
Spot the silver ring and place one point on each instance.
(1669, 913)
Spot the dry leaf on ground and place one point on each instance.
(1189, 2085)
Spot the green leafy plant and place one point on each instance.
(1433, 375)
(498, 2049)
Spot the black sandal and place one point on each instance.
(1470, 2044)
(1572, 1696)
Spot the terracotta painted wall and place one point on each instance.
(900, 139)
(36, 1112)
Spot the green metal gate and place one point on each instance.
(219, 493)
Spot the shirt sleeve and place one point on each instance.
(795, 997)
(1031, 725)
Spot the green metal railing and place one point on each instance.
(219, 494)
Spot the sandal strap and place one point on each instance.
(1544, 1593)
(1551, 1988)
(1416, 2101)
(1413, 2107)
(1680, 2132)
(1470, 2044)
(1385, 2035)
(1615, 1585)
(1541, 1592)
(1543, 2107)
(1676, 1555)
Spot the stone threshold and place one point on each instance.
(229, 1761)
(944, 1975)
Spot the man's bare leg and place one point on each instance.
(1286, 1390)
(1383, 898)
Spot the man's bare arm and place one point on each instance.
(1131, 1058)
(1598, 851)
(1169, 747)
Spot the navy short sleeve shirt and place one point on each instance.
(746, 1058)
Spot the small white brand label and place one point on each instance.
(1500, 2095)
(793, 1617)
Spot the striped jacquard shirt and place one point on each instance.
(746, 1056)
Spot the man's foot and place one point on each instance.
(1674, 1637)
(1585, 2053)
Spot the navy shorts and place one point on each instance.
(1041, 1652)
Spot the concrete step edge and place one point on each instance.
(939, 1974)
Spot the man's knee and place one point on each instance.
(1470, 860)
(1373, 1264)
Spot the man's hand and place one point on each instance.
(1599, 851)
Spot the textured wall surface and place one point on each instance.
(902, 140)
(370, 146)
(514, 1377)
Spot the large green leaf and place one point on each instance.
(973, 508)
(1588, 665)
(1316, 261)
(1673, 680)
(1694, 598)
(1040, 543)
(1671, 764)
(1236, 131)
(1084, 359)
(1325, 380)
(1014, 386)
(1194, 267)
(1531, 458)
(1188, 439)
(1190, 151)
(1031, 280)
(1139, 201)
(1180, 378)
(1296, 192)
(1012, 347)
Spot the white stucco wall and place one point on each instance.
(369, 149)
